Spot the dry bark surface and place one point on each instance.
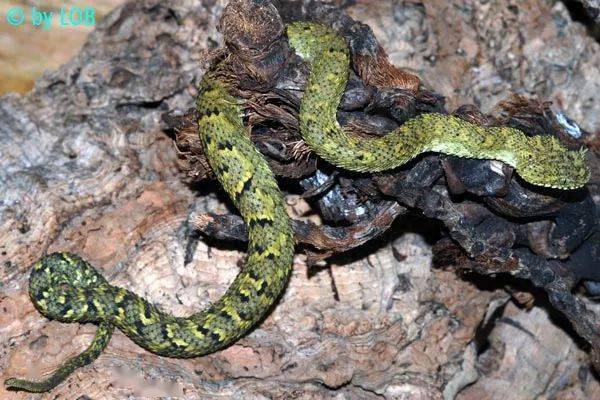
(86, 167)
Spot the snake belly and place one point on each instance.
(66, 288)
(540, 160)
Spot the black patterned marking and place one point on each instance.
(163, 330)
(225, 145)
(215, 336)
(91, 306)
(262, 222)
(129, 298)
(223, 168)
(139, 325)
(147, 312)
(258, 248)
(213, 111)
(261, 290)
(245, 314)
(254, 274)
(117, 303)
(247, 184)
(245, 188)
(244, 298)
(225, 315)
(63, 309)
(203, 330)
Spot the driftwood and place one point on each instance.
(88, 167)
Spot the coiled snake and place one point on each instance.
(66, 288)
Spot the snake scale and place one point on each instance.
(66, 288)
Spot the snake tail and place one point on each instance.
(540, 160)
(66, 288)
(99, 343)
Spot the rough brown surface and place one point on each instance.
(85, 167)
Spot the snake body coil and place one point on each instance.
(64, 287)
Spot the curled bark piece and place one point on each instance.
(327, 240)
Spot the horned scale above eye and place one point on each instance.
(64, 287)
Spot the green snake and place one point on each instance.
(66, 288)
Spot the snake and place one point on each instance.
(67, 288)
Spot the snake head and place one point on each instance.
(556, 167)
